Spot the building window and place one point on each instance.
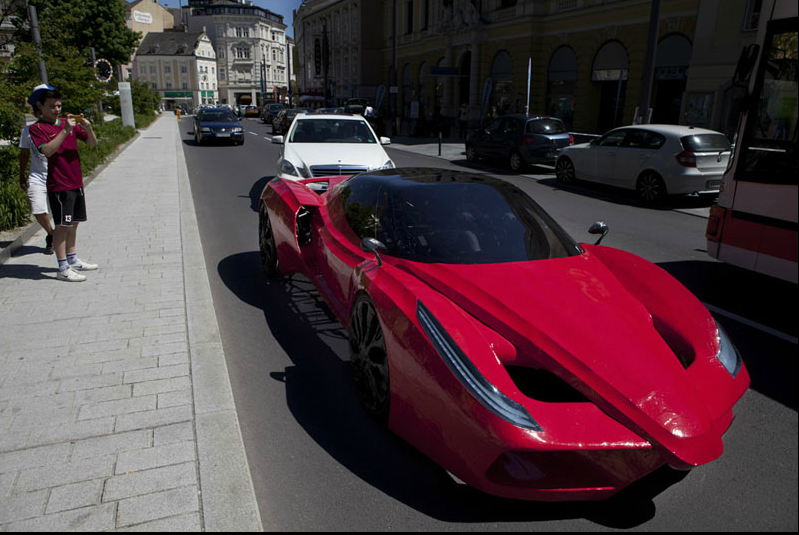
(409, 16)
(242, 32)
(506, 3)
(242, 52)
(221, 74)
(167, 69)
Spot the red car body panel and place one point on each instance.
(629, 337)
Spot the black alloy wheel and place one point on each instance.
(266, 241)
(471, 153)
(564, 170)
(650, 187)
(369, 360)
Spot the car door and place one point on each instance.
(488, 140)
(510, 137)
(601, 165)
(634, 155)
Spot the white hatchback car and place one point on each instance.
(319, 145)
(654, 160)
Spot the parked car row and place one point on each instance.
(652, 160)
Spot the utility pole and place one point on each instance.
(37, 39)
(393, 88)
(649, 65)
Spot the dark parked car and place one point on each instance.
(269, 111)
(283, 120)
(519, 140)
(219, 124)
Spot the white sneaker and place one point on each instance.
(70, 276)
(81, 265)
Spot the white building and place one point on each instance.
(181, 66)
(251, 48)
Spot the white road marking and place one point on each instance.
(753, 324)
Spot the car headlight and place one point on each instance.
(288, 168)
(728, 355)
(238, 129)
(468, 374)
(205, 129)
(388, 165)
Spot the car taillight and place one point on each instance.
(686, 159)
(571, 139)
(529, 139)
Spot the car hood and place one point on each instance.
(219, 124)
(578, 314)
(370, 155)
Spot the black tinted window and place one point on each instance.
(546, 126)
(642, 139)
(612, 139)
(467, 223)
(359, 200)
(705, 143)
(221, 116)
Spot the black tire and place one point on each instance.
(650, 187)
(266, 243)
(369, 360)
(471, 153)
(197, 137)
(515, 161)
(564, 170)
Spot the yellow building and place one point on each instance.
(146, 16)
(587, 58)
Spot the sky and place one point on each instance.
(281, 7)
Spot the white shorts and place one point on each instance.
(37, 197)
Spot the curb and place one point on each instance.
(32, 228)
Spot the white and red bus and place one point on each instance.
(754, 224)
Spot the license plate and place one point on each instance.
(223, 135)
(713, 184)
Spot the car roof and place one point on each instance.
(673, 129)
(331, 115)
(530, 117)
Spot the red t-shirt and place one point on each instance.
(63, 167)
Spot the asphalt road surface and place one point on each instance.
(319, 463)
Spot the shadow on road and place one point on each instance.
(320, 396)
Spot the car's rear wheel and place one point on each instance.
(471, 153)
(515, 161)
(266, 240)
(369, 359)
(564, 170)
(197, 137)
(650, 187)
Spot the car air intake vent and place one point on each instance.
(678, 345)
(543, 385)
(335, 170)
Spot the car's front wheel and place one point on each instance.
(564, 170)
(266, 241)
(650, 187)
(369, 360)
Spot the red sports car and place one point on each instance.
(526, 364)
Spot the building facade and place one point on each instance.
(145, 16)
(180, 66)
(251, 49)
(339, 52)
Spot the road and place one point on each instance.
(318, 463)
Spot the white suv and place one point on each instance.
(319, 145)
(654, 160)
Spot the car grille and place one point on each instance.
(334, 170)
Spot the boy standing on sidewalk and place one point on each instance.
(35, 182)
(57, 138)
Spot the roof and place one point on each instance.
(169, 44)
(674, 129)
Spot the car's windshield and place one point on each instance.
(332, 131)
(218, 116)
(468, 222)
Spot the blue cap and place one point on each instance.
(37, 92)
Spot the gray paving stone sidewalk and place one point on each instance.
(115, 406)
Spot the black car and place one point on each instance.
(519, 140)
(219, 124)
(283, 120)
(270, 111)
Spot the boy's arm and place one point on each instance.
(24, 157)
(91, 137)
(51, 147)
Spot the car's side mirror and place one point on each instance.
(371, 244)
(600, 227)
(385, 141)
(277, 140)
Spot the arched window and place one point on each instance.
(502, 74)
(561, 79)
(609, 70)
